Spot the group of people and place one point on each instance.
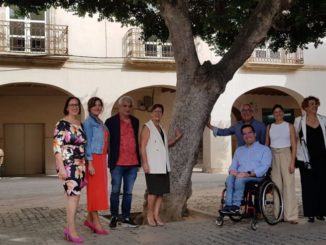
(281, 146)
(84, 150)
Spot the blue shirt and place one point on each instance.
(256, 158)
(94, 131)
(259, 127)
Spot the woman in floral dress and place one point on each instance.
(69, 149)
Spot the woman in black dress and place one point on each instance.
(310, 130)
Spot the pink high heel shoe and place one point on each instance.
(88, 224)
(91, 226)
(100, 232)
(70, 238)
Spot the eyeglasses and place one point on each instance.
(158, 112)
(129, 106)
(313, 103)
(246, 110)
(73, 105)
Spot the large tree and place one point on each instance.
(233, 27)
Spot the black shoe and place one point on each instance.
(226, 209)
(320, 218)
(235, 210)
(311, 219)
(113, 223)
(128, 223)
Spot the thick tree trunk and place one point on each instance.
(191, 111)
(198, 88)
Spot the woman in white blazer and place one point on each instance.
(155, 160)
(311, 147)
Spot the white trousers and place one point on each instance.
(285, 181)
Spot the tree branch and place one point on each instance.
(253, 33)
(175, 14)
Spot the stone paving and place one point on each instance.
(23, 221)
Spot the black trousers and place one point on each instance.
(313, 187)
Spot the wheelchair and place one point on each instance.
(261, 198)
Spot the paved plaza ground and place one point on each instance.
(32, 212)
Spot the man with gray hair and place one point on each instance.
(247, 115)
(124, 159)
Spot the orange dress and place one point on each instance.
(97, 184)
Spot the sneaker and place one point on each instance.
(113, 223)
(235, 209)
(226, 209)
(128, 223)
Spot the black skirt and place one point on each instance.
(158, 184)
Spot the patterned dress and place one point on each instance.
(69, 140)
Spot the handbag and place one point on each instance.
(302, 164)
(299, 163)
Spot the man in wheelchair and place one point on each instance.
(250, 163)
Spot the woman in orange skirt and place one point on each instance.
(96, 174)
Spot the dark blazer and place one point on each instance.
(113, 124)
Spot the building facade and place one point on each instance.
(47, 57)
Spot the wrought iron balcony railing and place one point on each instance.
(33, 38)
(267, 56)
(135, 47)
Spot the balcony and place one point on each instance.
(153, 53)
(21, 41)
(266, 59)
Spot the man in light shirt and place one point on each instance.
(250, 163)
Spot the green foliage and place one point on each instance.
(218, 22)
(305, 23)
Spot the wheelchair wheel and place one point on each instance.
(254, 224)
(271, 203)
(219, 221)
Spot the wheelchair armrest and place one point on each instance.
(268, 173)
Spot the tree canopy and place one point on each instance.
(217, 22)
(233, 28)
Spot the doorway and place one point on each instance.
(24, 148)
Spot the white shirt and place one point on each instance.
(279, 135)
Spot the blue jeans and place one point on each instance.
(235, 188)
(128, 175)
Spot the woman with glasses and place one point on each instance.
(311, 135)
(96, 156)
(69, 149)
(155, 159)
(280, 136)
